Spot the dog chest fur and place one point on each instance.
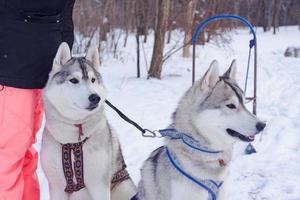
(97, 155)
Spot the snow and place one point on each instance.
(271, 174)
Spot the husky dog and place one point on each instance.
(212, 112)
(74, 105)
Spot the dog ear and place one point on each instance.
(92, 55)
(62, 56)
(231, 72)
(210, 77)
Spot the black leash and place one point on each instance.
(145, 132)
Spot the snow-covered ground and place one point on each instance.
(271, 174)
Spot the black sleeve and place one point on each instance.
(67, 23)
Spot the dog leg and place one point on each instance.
(124, 190)
(222, 194)
(57, 193)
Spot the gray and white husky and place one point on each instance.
(213, 113)
(73, 96)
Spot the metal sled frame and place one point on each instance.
(252, 43)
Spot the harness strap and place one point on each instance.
(211, 186)
(119, 177)
(67, 149)
(173, 134)
(80, 131)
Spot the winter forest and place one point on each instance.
(110, 22)
(146, 57)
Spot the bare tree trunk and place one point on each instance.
(169, 35)
(267, 15)
(160, 30)
(115, 43)
(212, 12)
(127, 21)
(91, 38)
(126, 37)
(139, 30)
(276, 9)
(236, 11)
(104, 28)
(138, 55)
(299, 22)
(263, 14)
(250, 8)
(286, 10)
(146, 20)
(258, 12)
(170, 24)
(190, 10)
(236, 8)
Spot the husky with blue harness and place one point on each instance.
(192, 164)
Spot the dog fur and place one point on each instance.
(68, 103)
(207, 111)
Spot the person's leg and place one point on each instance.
(31, 183)
(17, 116)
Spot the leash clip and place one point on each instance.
(152, 134)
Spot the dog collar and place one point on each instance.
(80, 131)
(173, 134)
(220, 161)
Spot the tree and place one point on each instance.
(159, 41)
(263, 16)
(128, 7)
(139, 30)
(276, 10)
(189, 12)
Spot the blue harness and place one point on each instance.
(211, 186)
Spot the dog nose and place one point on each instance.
(94, 98)
(260, 126)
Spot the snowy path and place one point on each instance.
(271, 174)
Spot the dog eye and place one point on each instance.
(231, 106)
(74, 81)
(93, 80)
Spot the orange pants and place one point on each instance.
(20, 119)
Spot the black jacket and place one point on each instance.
(30, 33)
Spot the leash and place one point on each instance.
(170, 133)
(211, 186)
(145, 132)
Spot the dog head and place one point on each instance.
(215, 109)
(75, 87)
